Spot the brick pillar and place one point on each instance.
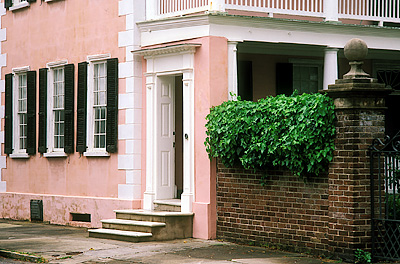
(360, 109)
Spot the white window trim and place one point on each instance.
(311, 63)
(19, 6)
(96, 154)
(19, 156)
(51, 151)
(91, 151)
(55, 155)
(17, 152)
(98, 57)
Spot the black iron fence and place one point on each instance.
(385, 198)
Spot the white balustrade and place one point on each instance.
(330, 10)
(375, 10)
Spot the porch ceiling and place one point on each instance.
(251, 47)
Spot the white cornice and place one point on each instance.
(173, 49)
(21, 69)
(98, 57)
(260, 22)
(174, 22)
(265, 29)
(54, 64)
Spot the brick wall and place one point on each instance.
(349, 180)
(286, 211)
(328, 214)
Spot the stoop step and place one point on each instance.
(171, 205)
(131, 225)
(121, 235)
(143, 225)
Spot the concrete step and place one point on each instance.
(131, 225)
(129, 236)
(151, 216)
(177, 224)
(171, 205)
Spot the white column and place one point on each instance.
(330, 67)
(149, 194)
(232, 69)
(187, 196)
(331, 10)
(151, 9)
(217, 5)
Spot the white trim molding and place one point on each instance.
(19, 6)
(59, 63)
(169, 61)
(21, 69)
(3, 63)
(168, 50)
(130, 71)
(98, 57)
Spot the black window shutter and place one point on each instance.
(31, 113)
(81, 108)
(31, 1)
(112, 105)
(69, 71)
(8, 114)
(7, 3)
(284, 78)
(42, 148)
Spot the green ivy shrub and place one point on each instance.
(296, 132)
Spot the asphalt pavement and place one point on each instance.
(63, 244)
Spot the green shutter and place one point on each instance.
(42, 148)
(112, 105)
(31, 113)
(8, 114)
(81, 108)
(69, 71)
(7, 4)
(284, 78)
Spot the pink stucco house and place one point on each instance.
(103, 103)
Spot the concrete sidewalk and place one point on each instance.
(61, 244)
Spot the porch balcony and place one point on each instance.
(374, 12)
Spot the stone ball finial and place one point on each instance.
(356, 50)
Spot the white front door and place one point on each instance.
(165, 175)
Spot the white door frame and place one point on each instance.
(170, 60)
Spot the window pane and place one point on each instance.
(21, 112)
(58, 128)
(99, 104)
(103, 141)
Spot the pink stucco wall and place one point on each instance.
(211, 89)
(48, 32)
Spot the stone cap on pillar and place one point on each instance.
(357, 90)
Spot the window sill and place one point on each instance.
(55, 155)
(19, 6)
(96, 154)
(19, 156)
